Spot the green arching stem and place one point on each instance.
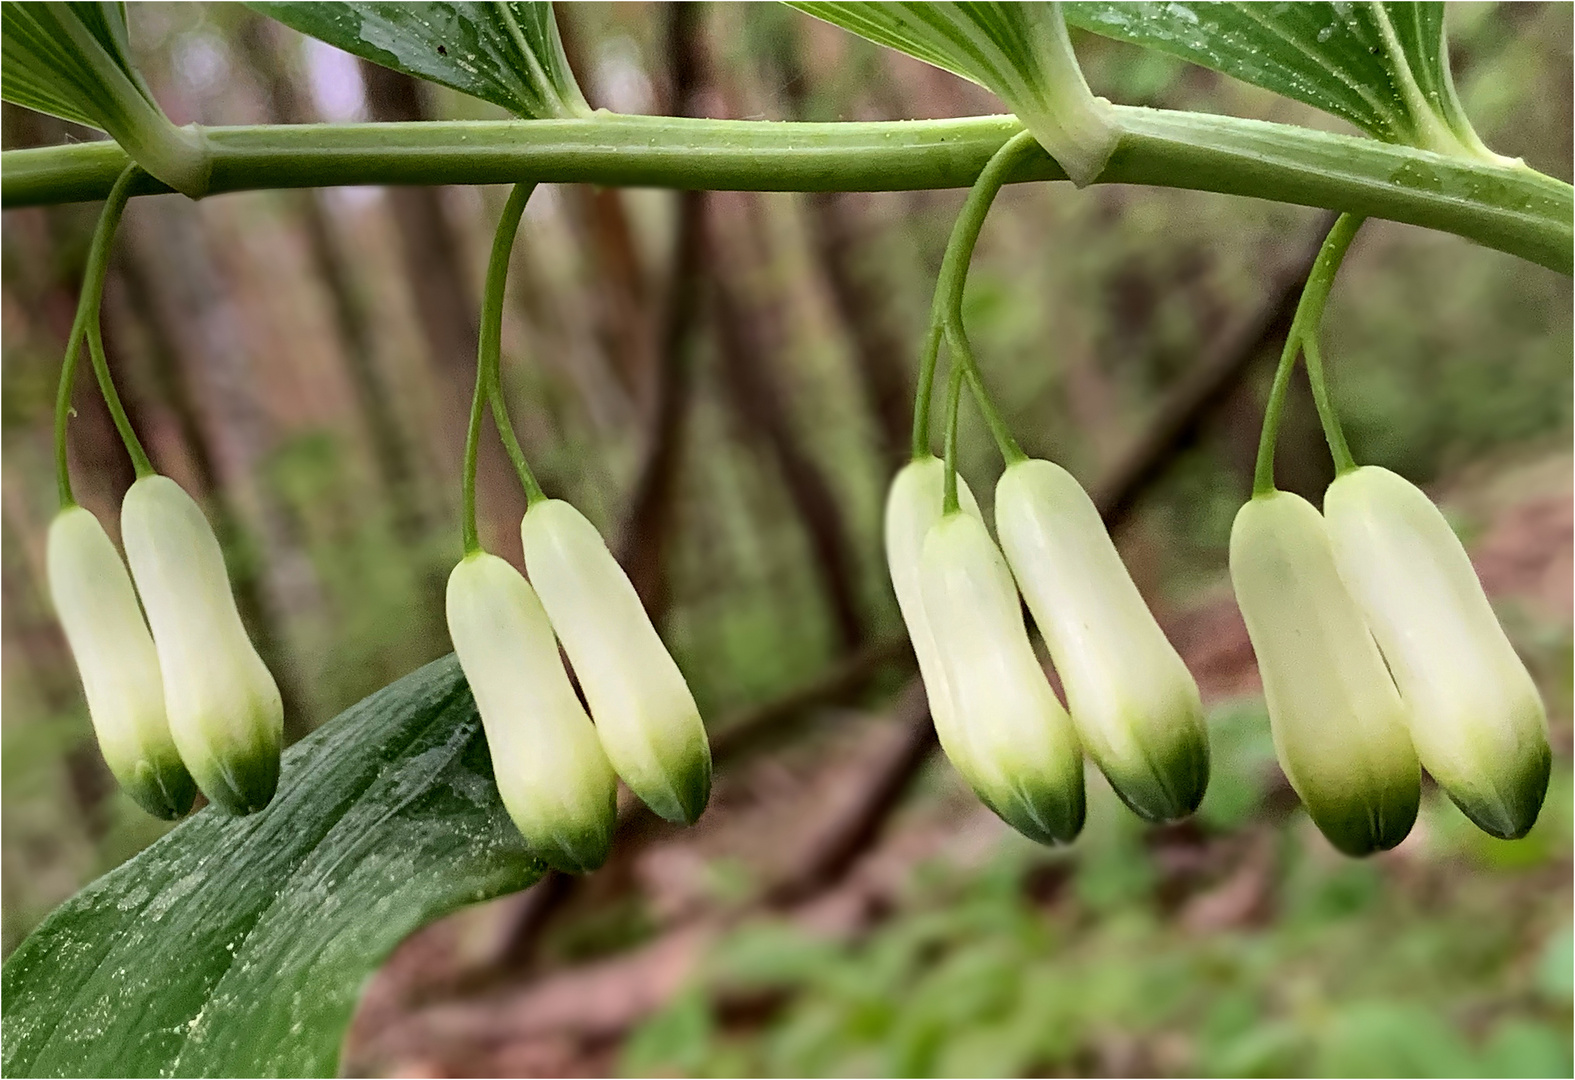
(1309, 316)
(68, 371)
(921, 398)
(85, 325)
(511, 445)
(1333, 433)
(949, 504)
(491, 338)
(467, 513)
(488, 353)
(106, 386)
(947, 304)
(961, 353)
(946, 319)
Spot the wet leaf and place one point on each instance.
(509, 53)
(238, 946)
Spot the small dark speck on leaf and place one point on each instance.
(442, 51)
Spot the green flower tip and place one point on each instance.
(163, 788)
(243, 780)
(1048, 814)
(1511, 807)
(690, 783)
(1369, 818)
(1170, 782)
(577, 850)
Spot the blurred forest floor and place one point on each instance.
(722, 382)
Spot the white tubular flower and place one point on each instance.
(1015, 744)
(550, 769)
(913, 506)
(1339, 724)
(645, 715)
(114, 653)
(1134, 703)
(224, 708)
(1476, 717)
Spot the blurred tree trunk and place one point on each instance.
(199, 355)
(649, 519)
(1216, 387)
(552, 313)
(838, 232)
(624, 314)
(275, 72)
(447, 310)
(750, 342)
(624, 322)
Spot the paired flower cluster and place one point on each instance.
(1381, 656)
(191, 704)
(554, 767)
(1133, 705)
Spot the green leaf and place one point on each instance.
(1018, 50)
(506, 53)
(43, 70)
(238, 946)
(73, 61)
(1382, 66)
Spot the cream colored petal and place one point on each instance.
(644, 712)
(224, 708)
(1135, 705)
(109, 640)
(1017, 746)
(913, 506)
(1339, 724)
(555, 779)
(1476, 717)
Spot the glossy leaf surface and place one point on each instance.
(43, 69)
(238, 946)
(1019, 51)
(509, 53)
(1382, 66)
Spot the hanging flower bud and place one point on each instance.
(551, 771)
(110, 642)
(1017, 746)
(224, 708)
(1476, 717)
(644, 712)
(913, 506)
(1339, 724)
(1134, 704)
